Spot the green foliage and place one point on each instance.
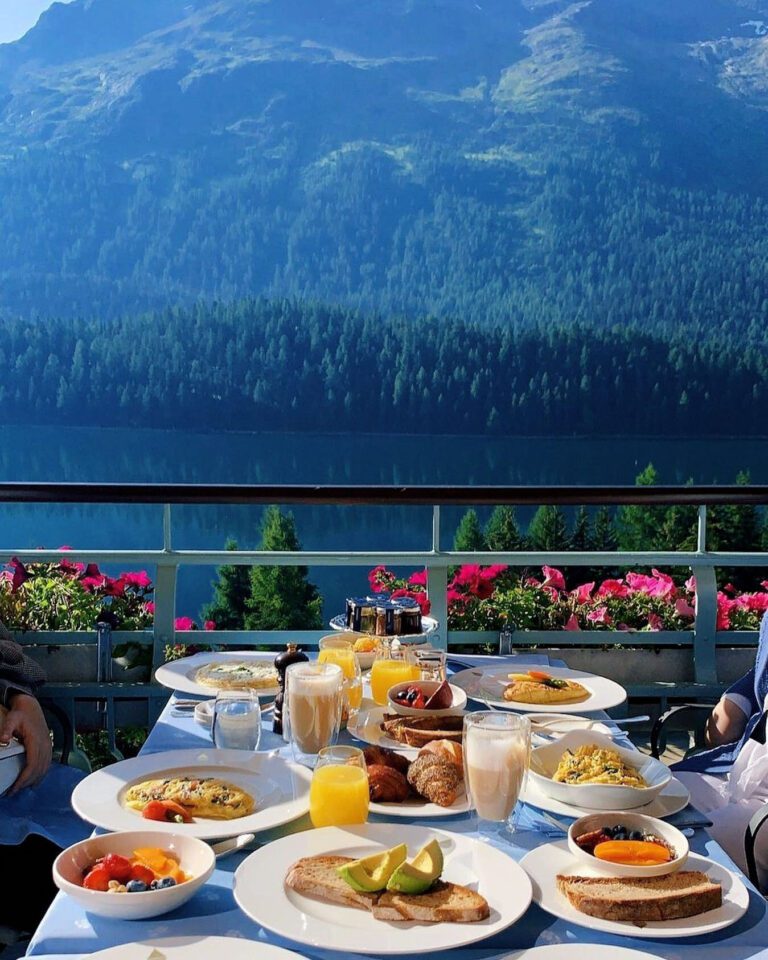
(502, 531)
(641, 527)
(603, 531)
(228, 609)
(282, 598)
(95, 744)
(581, 532)
(469, 534)
(548, 529)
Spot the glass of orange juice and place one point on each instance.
(338, 794)
(335, 649)
(391, 666)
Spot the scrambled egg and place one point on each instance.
(593, 764)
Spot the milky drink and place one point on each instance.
(495, 764)
(314, 701)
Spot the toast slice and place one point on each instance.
(642, 899)
(419, 731)
(317, 877)
(443, 903)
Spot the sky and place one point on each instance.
(17, 16)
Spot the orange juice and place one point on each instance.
(386, 673)
(338, 795)
(345, 658)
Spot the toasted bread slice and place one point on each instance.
(443, 903)
(418, 731)
(642, 899)
(317, 877)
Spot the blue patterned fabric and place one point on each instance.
(753, 686)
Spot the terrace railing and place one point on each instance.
(703, 640)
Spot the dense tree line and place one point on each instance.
(301, 366)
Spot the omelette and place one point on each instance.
(200, 796)
(237, 675)
(540, 688)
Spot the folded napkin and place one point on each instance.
(45, 810)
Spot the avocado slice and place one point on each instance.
(418, 875)
(371, 874)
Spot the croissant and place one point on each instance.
(435, 778)
(387, 785)
(383, 757)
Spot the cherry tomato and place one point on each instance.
(538, 675)
(140, 872)
(118, 868)
(166, 810)
(97, 879)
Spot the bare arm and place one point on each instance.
(726, 723)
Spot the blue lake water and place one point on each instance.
(123, 455)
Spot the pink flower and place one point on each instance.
(138, 578)
(583, 594)
(114, 588)
(380, 578)
(655, 622)
(764, 584)
(418, 579)
(20, 574)
(724, 607)
(756, 601)
(613, 588)
(149, 606)
(91, 583)
(729, 588)
(690, 584)
(475, 580)
(71, 569)
(64, 547)
(454, 596)
(683, 608)
(600, 615)
(532, 582)
(659, 585)
(553, 578)
(184, 623)
(572, 623)
(209, 625)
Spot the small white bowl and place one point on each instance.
(195, 858)
(597, 796)
(632, 821)
(458, 702)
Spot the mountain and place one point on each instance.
(513, 162)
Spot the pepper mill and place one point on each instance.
(282, 661)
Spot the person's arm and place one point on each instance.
(25, 721)
(18, 673)
(728, 720)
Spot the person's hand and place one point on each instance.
(26, 722)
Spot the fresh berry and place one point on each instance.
(164, 882)
(153, 885)
(118, 868)
(635, 834)
(140, 872)
(97, 879)
(136, 886)
(620, 833)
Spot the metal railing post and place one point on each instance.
(165, 594)
(701, 531)
(437, 587)
(705, 625)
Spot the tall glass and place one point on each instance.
(236, 720)
(314, 697)
(340, 651)
(496, 754)
(338, 794)
(429, 662)
(392, 665)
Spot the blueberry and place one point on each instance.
(136, 886)
(609, 831)
(636, 835)
(153, 885)
(165, 882)
(620, 833)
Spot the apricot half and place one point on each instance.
(637, 853)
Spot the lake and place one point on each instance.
(111, 455)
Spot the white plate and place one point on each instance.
(428, 625)
(577, 951)
(280, 789)
(180, 674)
(558, 724)
(262, 895)
(673, 798)
(545, 862)
(419, 809)
(486, 685)
(195, 948)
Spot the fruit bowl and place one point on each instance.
(456, 704)
(195, 858)
(632, 822)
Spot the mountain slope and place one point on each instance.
(508, 161)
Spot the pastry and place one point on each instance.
(387, 785)
(382, 756)
(435, 778)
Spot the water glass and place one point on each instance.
(236, 720)
(497, 749)
(314, 699)
(338, 794)
(429, 662)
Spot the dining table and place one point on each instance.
(67, 931)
